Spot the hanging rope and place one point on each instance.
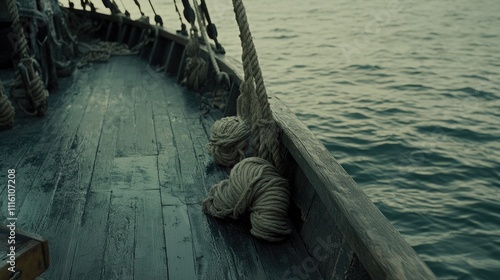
(195, 71)
(254, 184)
(28, 86)
(6, 111)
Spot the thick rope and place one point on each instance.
(35, 91)
(230, 135)
(228, 142)
(264, 129)
(6, 110)
(255, 186)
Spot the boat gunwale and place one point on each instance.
(381, 249)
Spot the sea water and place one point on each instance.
(405, 95)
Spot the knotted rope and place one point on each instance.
(6, 111)
(254, 184)
(195, 71)
(33, 87)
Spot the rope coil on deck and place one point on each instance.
(6, 110)
(254, 184)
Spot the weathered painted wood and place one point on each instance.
(325, 242)
(379, 246)
(119, 252)
(179, 242)
(145, 134)
(189, 171)
(34, 207)
(25, 147)
(150, 259)
(67, 206)
(93, 233)
(135, 173)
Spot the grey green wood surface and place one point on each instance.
(114, 177)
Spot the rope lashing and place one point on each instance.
(183, 30)
(34, 89)
(254, 186)
(6, 111)
(196, 69)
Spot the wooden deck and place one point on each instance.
(114, 177)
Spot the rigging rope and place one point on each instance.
(211, 28)
(158, 19)
(34, 90)
(139, 6)
(195, 71)
(6, 111)
(255, 184)
(183, 30)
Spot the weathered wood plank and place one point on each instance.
(324, 242)
(33, 209)
(188, 167)
(213, 258)
(68, 202)
(168, 164)
(126, 144)
(93, 233)
(379, 246)
(25, 147)
(119, 252)
(150, 249)
(179, 242)
(135, 173)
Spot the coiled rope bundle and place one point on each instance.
(255, 184)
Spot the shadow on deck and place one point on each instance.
(114, 177)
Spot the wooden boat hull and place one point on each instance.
(344, 235)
